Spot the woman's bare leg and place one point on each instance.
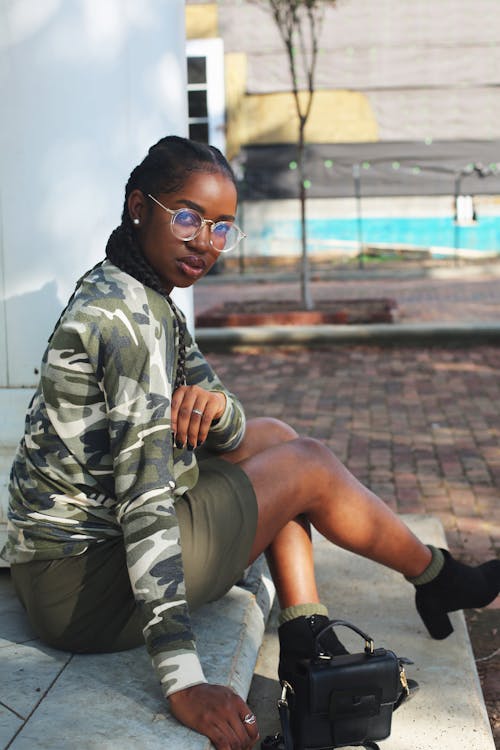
(299, 480)
(291, 562)
(290, 554)
(304, 477)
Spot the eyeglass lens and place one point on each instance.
(186, 224)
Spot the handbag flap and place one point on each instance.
(362, 702)
(353, 684)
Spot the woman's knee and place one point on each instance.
(313, 449)
(314, 459)
(262, 433)
(269, 431)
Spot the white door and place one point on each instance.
(206, 95)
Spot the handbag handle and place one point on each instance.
(369, 646)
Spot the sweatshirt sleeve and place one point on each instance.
(227, 432)
(134, 356)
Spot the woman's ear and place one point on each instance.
(136, 207)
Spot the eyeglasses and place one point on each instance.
(187, 224)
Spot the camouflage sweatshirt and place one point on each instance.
(97, 459)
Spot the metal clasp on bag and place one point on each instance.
(403, 680)
(282, 702)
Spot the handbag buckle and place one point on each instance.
(404, 681)
(285, 686)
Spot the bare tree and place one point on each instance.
(299, 23)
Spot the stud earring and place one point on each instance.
(136, 221)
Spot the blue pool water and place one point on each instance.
(421, 232)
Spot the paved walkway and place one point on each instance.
(419, 425)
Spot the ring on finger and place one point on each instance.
(197, 411)
(249, 719)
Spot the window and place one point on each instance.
(206, 96)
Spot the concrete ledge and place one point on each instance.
(448, 712)
(377, 333)
(56, 701)
(13, 403)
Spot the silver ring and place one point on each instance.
(197, 411)
(249, 719)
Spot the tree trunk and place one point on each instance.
(305, 284)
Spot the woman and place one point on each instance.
(138, 492)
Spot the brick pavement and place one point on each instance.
(419, 425)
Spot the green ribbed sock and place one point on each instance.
(432, 570)
(301, 610)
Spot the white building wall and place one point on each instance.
(87, 86)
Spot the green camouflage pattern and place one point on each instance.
(97, 459)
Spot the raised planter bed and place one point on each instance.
(287, 312)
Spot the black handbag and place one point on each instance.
(339, 701)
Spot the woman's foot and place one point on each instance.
(297, 639)
(456, 586)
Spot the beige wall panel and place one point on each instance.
(246, 27)
(201, 21)
(437, 114)
(336, 116)
(236, 76)
(378, 67)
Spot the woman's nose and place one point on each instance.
(204, 238)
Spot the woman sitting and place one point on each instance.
(139, 493)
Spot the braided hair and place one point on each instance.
(165, 169)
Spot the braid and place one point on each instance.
(123, 250)
(165, 169)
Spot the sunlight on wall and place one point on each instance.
(336, 116)
(90, 87)
(23, 18)
(202, 21)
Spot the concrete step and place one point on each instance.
(448, 712)
(7, 453)
(373, 333)
(51, 700)
(13, 403)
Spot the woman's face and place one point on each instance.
(177, 262)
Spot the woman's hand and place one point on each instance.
(193, 411)
(218, 713)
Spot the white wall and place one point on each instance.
(86, 87)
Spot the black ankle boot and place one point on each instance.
(296, 639)
(457, 586)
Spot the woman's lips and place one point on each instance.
(192, 265)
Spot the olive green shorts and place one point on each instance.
(85, 603)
